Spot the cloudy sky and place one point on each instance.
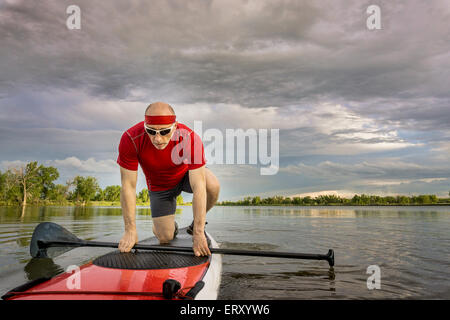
(358, 110)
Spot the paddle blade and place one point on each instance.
(49, 232)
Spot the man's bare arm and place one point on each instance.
(128, 203)
(197, 179)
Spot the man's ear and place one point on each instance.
(174, 137)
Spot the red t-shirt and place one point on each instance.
(165, 168)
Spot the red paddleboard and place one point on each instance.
(133, 276)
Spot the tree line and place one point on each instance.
(323, 200)
(35, 184)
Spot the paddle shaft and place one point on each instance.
(83, 243)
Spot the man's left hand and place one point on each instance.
(200, 245)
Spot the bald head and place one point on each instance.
(160, 116)
(159, 109)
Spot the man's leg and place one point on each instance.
(163, 206)
(212, 193)
(212, 189)
(164, 227)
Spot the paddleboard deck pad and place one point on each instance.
(136, 275)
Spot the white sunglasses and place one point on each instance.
(162, 132)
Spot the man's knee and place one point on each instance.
(165, 235)
(213, 191)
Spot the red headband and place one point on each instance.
(160, 119)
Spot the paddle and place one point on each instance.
(50, 240)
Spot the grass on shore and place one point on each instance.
(76, 204)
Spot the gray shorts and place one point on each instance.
(164, 203)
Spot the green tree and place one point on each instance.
(390, 200)
(180, 199)
(85, 189)
(267, 200)
(246, 201)
(100, 195)
(112, 193)
(27, 181)
(143, 195)
(362, 199)
(307, 200)
(424, 199)
(403, 200)
(279, 199)
(47, 176)
(256, 201)
(3, 186)
(58, 193)
(12, 192)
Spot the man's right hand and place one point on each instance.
(128, 240)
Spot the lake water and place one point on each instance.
(409, 244)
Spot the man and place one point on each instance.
(172, 158)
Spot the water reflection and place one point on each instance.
(330, 275)
(36, 213)
(41, 268)
(299, 211)
(325, 212)
(410, 244)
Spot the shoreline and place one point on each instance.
(115, 204)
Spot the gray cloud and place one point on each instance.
(385, 169)
(46, 144)
(252, 53)
(232, 64)
(255, 53)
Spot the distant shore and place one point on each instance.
(323, 200)
(333, 200)
(336, 205)
(33, 185)
(117, 204)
